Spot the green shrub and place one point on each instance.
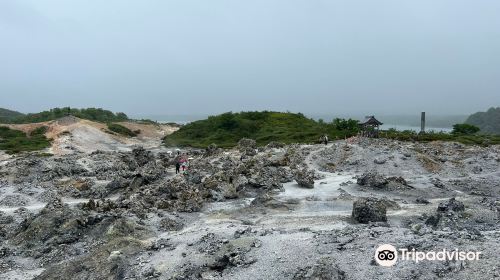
(120, 129)
(15, 141)
(346, 125)
(93, 114)
(464, 129)
(39, 131)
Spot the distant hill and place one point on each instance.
(7, 115)
(227, 129)
(93, 114)
(488, 122)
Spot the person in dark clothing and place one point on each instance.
(324, 139)
(177, 167)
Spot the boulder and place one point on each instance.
(232, 253)
(211, 150)
(375, 180)
(265, 178)
(421, 200)
(304, 177)
(372, 179)
(275, 145)
(451, 205)
(369, 209)
(240, 182)
(397, 183)
(136, 182)
(169, 224)
(247, 147)
(4, 219)
(247, 143)
(142, 156)
(438, 183)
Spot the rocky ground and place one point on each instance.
(275, 212)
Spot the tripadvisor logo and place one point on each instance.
(387, 255)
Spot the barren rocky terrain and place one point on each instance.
(71, 134)
(276, 212)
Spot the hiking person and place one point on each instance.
(324, 139)
(177, 167)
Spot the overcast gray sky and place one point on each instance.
(199, 56)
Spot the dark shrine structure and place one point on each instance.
(370, 127)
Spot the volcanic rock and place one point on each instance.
(305, 178)
(369, 210)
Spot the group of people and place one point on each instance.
(179, 165)
(181, 162)
(324, 139)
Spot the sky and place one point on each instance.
(206, 57)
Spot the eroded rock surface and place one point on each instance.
(271, 212)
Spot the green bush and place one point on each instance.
(346, 125)
(227, 129)
(464, 129)
(120, 129)
(15, 141)
(93, 114)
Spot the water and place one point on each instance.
(415, 128)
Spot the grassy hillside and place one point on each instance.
(120, 129)
(7, 115)
(15, 141)
(93, 114)
(227, 129)
(488, 122)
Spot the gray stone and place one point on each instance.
(369, 210)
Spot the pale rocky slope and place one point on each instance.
(71, 134)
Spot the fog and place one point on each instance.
(205, 57)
